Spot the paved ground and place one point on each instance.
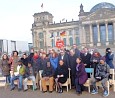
(6, 93)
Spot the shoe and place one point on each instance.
(105, 94)
(19, 89)
(94, 91)
(44, 91)
(79, 93)
(25, 90)
(50, 91)
(60, 90)
(12, 89)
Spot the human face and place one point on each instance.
(15, 54)
(72, 52)
(78, 60)
(24, 56)
(74, 46)
(5, 56)
(61, 63)
(85, 50)
(44, 55)
(48, 64)
(19, 63)
(102, 62)
(29, 65)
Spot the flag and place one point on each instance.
(42, 5)
(63, 33)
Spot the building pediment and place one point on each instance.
(100, 15)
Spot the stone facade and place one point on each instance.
(94, 29)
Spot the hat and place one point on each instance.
(108, 49)
(102, 58)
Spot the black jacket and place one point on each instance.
(48, 72)
(72, 60)
(86, 59)
(65, 59)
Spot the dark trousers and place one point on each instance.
(73, 80)
(79, 87)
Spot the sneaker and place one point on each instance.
(94, 91)
(105, 94)
(12, 89)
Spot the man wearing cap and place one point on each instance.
(102, 74)
(18, 73)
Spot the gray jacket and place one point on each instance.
(102, 71)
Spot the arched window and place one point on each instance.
(64, 39)
(102, 34)
(77, 41)
(41, 44)
(71, 41)
(41, 35)
(95, 35)
(110, 33)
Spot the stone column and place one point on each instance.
(73, 35)
(114, 31)
(98, 27)
(107, 41)
(83, 35)
(91, 35)
(35, 40)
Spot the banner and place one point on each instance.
(59, 44)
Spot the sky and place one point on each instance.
(16, 16)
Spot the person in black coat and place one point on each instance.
(77, 52)
(25, 59)
(65, 57)
(86, 56)
(72, 60)
(61, 75)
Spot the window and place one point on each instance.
(77, 32)
(41, 35)
(102, 34)
(95, 35)
(110, 33)
(64, 39)
(58, 34)
(41, 44)
(53, 42)
(70, 32)
(71, 41)
(77, 41)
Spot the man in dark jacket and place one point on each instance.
(47, 76)
(86, 56)
(65, 57)
(72, 60)
(77, 52)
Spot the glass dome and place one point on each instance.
(102, 5)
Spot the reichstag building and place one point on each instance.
(95, 28)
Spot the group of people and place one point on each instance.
(55, 65)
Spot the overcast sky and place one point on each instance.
(16, 15)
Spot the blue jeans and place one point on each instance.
(7, 78)
(20, 83)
